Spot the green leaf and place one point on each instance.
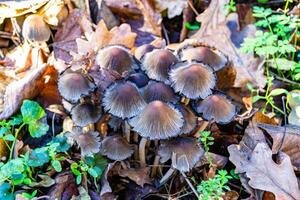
(283, 64)
(38, 157)
(37, 129)
(256, 98)
(5, 192)
(9, 137)
(193, 27)
(62, 140)
(92, 172)
(3, 130)
(17, 120)
(12, 167)
(31, 111)
(278, 91)
(56, 165)
(78, 179)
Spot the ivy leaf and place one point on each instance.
(3, 130)
(62, 140)
(31, 111)
(12, 167)
(9, 137)
(37, 129)
(5, 192)
(56, 165)
(17, 120)
(38, 157)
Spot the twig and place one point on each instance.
(192, 7)
(189, 183)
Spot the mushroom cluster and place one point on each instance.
(161, 96)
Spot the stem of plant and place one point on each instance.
(14, 142)
(142, 154)
(167, 175)
(190, 184)
(201, 128)
(155, 166)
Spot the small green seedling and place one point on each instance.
(230, 6)
(207, 140)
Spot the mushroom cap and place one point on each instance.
(216, 107)
(190, 119)
(84, 114)
(89, 142)
(184, 152)
(139, 79)
(115, 57)
(157, 64)
(122, 99)
(142, 50)
(206, 55)
(116, 147)
(193, 80)
(159, 91)
(158, 120)
(73, 85)
(35, 29)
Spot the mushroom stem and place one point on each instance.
(189, 183)
(135, 137)
(126, 129)
(167, 175)
(142, 154)
(155, 166)
(201, 128)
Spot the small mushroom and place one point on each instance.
(35, 29)
(86, 113)
(158, 120)
(116, 58)
(139, 79)
(193, 80)
(73, 85)
(142, 50)
(184, 153)
(190, 119)
(116, 147)
(122, 99)
(216, 108)
(159, 91)
(157, 64)
(207, 55)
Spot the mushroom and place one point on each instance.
(159, 91)
(116, 58)
(193, 80)
(86, 113)
(207, 55)
(157, 64)
(122, 99)
(35, 29)
(215, 108)
(157, 120)
(116, 147)
(72, 85)
(190, 119)
(184, 153)
(139, 79)
(142, 50)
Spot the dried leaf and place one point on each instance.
(25, 88)
(124, 8)
(174, 7)
(286, 139)
(139, 176)
(264, 173)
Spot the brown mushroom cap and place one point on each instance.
(142, 50)
(116, 147)
(190, 119)
(86, 113)
(158, 120)
(159, 91)
(157, 64)
(139, 79)
(184, 152)
(217, 108)
(88, 142)
(73, 85)
(206, 55)
(35, 29)
(193, 80)
(122, 99)
(115, 58)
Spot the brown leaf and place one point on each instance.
(139, 176)
(224, 33)
(174, 7)
(264, 173)
(286, 139)
(124, 8)
(25, 88)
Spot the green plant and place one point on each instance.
(214, 188)
(230, 6)
(32, 115)
(192, 27)
(29, 196)
(93, 166)
(207, 140)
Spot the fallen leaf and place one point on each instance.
(174, 7)
(136, 192)
(25, 88)
(139, 176)
(224, 33)
(124, 8)
(264, 173)
(285, 139)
